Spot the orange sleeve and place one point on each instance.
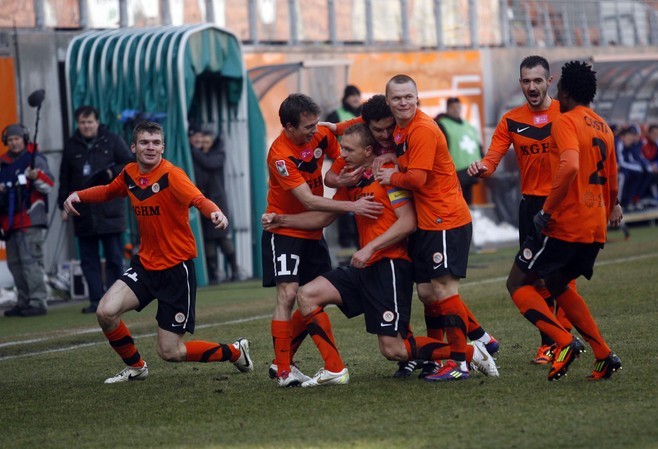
(500, 144)
(342, 126)
(101, 194)
(412, 179)
(564, 177)
(205, 206)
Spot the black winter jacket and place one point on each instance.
(106, 157)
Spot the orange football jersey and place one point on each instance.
(439, 202)
(161, 201)
(582, 216)
(530, 133)
(292, 165)
(369, 229)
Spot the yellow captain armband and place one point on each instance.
(396, 195)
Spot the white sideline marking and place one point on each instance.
(241, 320)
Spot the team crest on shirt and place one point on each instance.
(180, 317)
(155, 187)
(388, 316)
(317, 153)
(281, 168)
(437, 258)
(527, 253)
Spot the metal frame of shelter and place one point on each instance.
(178, 74)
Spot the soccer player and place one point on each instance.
(160, 195)
(528, 129)
(571, 227)
(440, 246)
(293, 257)
(379, 281)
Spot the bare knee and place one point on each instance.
(393, 349)
(306, 300)
(107, 317)
(171, 353)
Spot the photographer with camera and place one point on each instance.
(25, 181)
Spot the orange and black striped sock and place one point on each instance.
(281, 339)
(577, 311)
(534, 309)
(454, 318)
(206, 351)
(550, 302)
(319, 328)
(433, 321)
(474, 330)
(425, 348)
(299, 332)
(559, 312)
(122, 342)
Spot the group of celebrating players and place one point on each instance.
(393, 170)
(396, 175)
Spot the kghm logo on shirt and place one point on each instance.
(147, 211)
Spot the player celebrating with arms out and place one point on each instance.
(160, 195)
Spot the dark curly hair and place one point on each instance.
(375, 109)
(579, 81)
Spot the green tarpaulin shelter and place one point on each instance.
(176, 75)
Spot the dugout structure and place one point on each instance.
(174, 74)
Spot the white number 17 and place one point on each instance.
(284, 264)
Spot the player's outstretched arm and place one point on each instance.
(364, 206)
(306, 220)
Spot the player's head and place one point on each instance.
(402, 98)
(629, 136)
(299, 116)
(535, 79)
(453, 108)
(148, 145)
(379, 118)
(15, 137)
(357, 146)
(87, 120)
(577, 85)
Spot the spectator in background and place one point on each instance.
(634, 171)
(463, 142)
(650, 155)
(94, 156)
(350, 105)
(25, 181)
(208, 156)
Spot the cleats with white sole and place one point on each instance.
(129, 373)
(325, 378)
